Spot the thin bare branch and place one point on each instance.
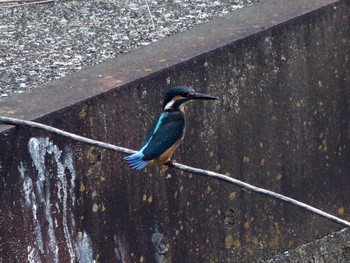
(12, 121)
(261, 191)
(218, 176)
(150, 14)
(16, 1)
(28, 2)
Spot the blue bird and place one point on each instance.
(168, 130)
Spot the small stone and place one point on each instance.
(83, 11)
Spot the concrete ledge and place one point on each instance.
(281, 70)
(332, 248)
(163, 55)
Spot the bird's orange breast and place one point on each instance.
(165, 156)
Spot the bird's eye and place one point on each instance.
(184, 95)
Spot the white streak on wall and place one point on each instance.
(30, 200)
(27, 184)
(49, 193)
(62, 194)
(33, 255)
(68, 161)
(68, 164)
(119, 249)
(161, 250)
(84, 249)
(38, 147)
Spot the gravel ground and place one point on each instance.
(42, 42)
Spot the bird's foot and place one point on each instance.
(170, 163)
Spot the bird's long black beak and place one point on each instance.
(200, 96)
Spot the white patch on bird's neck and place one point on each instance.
(169, 105)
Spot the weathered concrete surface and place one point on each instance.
(281, 70)
(332, 248)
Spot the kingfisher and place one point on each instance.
(168, 130)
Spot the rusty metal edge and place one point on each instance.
(124, 69)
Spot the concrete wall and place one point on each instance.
(281, 71)
(331, 248)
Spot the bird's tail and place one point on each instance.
(135, 161)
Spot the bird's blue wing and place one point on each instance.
(167, 131)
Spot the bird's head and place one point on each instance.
(175, 97)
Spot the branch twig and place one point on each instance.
(27, 2)
(32, 124)
(16, 1)
(150, 14)
(12, 121)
